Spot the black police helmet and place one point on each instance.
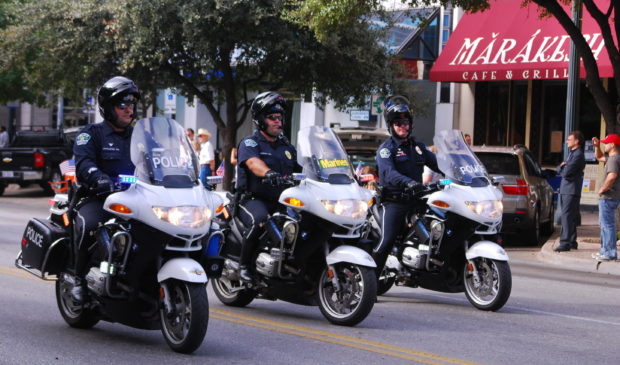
(397, 108)
(116, 90)
(264, 104)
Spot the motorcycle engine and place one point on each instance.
(96, 281)
(267, 264)
(414, 258)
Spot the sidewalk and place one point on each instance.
(580, 259)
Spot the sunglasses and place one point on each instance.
(402, 122)
(123, 106)
(274, 117)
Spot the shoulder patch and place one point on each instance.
(250, 143)
(82, 139)
(288, 154)
(385, 153)
(418, 150)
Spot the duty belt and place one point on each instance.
(396, 197)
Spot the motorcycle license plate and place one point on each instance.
(7, 173)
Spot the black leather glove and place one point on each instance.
(274, 178)
(415, 186)
(104, 185)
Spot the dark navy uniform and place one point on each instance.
(398, 163)
(261, 198)
(279, 156)
(100, 152)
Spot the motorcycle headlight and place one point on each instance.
(184, 216)
(487, 208)
(347, 208)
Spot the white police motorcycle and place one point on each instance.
(449, 243)
(145, 268)
(305, 254)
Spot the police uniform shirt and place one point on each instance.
(99, 150)
(400, 162)
(279, 156)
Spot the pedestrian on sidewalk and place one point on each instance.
(609, 196)
(571, 171)
(207, 155)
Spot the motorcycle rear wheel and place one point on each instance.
(223, 290)
(356, 298)
(76, 315)
(494, 289)
(185, 326)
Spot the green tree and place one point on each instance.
(220, 52)
(316, 15)
(60, 48)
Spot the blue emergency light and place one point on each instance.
(127, 179)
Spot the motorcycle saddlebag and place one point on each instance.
(42, 246)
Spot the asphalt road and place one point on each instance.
(552, 317)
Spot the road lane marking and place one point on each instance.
(565, 316)
(14, 271)
(358, 343)
(517, 309)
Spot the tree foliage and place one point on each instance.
(218, 51)
(314, 14)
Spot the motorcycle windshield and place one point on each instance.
(456, 160)
(162, 153)
(322, 156)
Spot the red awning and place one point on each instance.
(508, 42)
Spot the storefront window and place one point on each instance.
(491, 113)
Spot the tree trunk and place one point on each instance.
(603, 98)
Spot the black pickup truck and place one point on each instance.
(33, 157)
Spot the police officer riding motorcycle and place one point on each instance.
(400, 161)
(102, 152)
(264, 159)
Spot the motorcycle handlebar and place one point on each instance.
(424, 189)
(282, 181)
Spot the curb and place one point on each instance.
(577, 262)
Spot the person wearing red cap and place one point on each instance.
(609, 196)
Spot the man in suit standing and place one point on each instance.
(571, 171)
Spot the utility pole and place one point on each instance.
(572, 94)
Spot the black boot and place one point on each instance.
(244, 274)
(247, 251)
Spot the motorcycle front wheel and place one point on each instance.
(356, 297)
(230, 292)
(75, 314)
(492, 288)
(184, 324)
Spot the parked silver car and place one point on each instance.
(528, 197)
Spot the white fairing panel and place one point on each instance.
(142, 197)
(350, 254)
(184, 269)
(487, 249)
